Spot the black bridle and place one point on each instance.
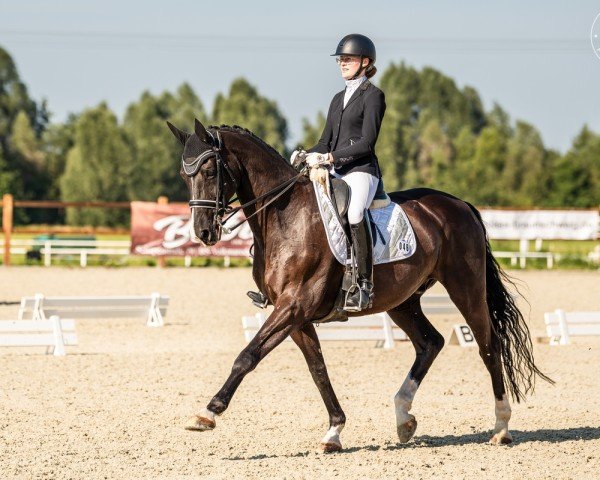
(221, 205)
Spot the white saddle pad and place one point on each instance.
(394, 239)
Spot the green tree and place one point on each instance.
(422, 103)
(156, 153)
(464, 151)
(25, 142)
(97, 168)
(435, 157)
(14, 98)
(183, 107)
(575, 180)
(485, 167)
(7, 177)
(246, 107)
(500, 119)
(525, 175)
(22, 121)
(58, 139)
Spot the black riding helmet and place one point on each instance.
(356, 44)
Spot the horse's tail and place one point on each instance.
(509, 327)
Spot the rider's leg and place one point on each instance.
(363, 187)
(363, 248)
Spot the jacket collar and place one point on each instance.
(359, 91)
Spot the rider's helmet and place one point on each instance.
(360, 45)
(356, 44)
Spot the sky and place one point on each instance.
(536, 58)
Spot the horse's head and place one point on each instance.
(208, 178)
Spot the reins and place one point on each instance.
(285, 186)
(221, 205)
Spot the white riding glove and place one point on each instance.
(297, 157)
(314, 159)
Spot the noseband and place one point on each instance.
(221, 205)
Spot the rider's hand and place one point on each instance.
(314, 159)
(297, 157)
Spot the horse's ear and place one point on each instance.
(179, 134)
(200, 131)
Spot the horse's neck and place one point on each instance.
(260, 172)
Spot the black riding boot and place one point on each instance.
(362, 243)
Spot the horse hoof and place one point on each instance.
(407, 430)
(331, 447)
(200, 424)
(501, 438)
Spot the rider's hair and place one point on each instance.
(370, 69)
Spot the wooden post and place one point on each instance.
(162, 260)
(7, 224)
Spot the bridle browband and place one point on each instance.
(221, 205)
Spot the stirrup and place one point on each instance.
(358, 298)
(258, 299)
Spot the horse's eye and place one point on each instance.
(210, 173)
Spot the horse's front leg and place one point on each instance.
(278, 326)
(308, 342)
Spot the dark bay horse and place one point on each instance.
(295, 269)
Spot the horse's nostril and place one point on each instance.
(204, 235)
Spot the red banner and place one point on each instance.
(165, 230)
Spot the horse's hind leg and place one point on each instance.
(308, 342)
(427, 342)
(468, 292)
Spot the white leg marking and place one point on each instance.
(333, 434)
(331, 441)
(206, 413)
(403, 400)
(503, 411)
(205, 420)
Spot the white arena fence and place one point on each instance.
(82, 248)
(152, 307)
(378, 327)
(121, 248)
(54, 333)
(561, 325)
(523, 254)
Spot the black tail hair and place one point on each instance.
(509, 327)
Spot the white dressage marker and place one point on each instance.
(54, 333)
(152, 308)
(438, 304)
(561, 325)
(462, 335)
(377, 327)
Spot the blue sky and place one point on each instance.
(534, 58)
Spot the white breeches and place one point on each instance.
(363, 187)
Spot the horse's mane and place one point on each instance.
(253, 136)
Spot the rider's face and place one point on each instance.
(350, 64)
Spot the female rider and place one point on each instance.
(348, 143)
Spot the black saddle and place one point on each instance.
(340, 198)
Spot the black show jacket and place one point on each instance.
(350, 133)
